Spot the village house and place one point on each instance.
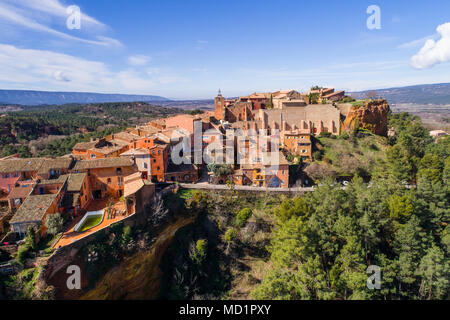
(143, 160)
(111, 149)
(298, 142)
(53, 168)
(438, 134)
(137, 193)
(80, 149)
(159, 161)
(257, 100)
(16, 169)
(77, 194)
(106, 176)
(18, 195)
(43, 201)
(287, 98)
(334, 97)
(187, 173)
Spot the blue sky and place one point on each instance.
(189, 49)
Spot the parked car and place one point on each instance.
(345, 183)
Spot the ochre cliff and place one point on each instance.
(373, 116)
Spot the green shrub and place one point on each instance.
(126, 234)
(198, 251)
(230, 235)
(22, 253)
(54, 223)
(317, 155)
(325, 134)
(30, 239)
(243, 216)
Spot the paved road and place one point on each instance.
(207, 186)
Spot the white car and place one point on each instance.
(345, 183)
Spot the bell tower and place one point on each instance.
(220, 107)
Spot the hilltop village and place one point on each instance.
(116, 176)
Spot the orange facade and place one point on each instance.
(159, 161)
(298, 144)
(108, 182)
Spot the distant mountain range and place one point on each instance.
(418, 94)
(28, 98)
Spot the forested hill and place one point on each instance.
(418, 94)
(54, 130)
(26, 97)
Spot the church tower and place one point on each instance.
(220, 106)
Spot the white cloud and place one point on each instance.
(54, 8)
(37, 16)
(138, 60)
(47, 70)
(434, 52)
(153, 71)
(60, 76)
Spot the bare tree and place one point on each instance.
(158, 212)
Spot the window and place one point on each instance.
(119, 171)
(93, 156)
(154, 160)
(282, 172)
(159, 151)
(109, 180)
(120, 181)
(158, 168)
(145, 165)
(17, 202)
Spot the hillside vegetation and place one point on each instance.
(319, 245)
(347, 155)
(54, 130)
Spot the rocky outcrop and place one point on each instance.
(373, 116)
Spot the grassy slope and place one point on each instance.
(345, 154)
